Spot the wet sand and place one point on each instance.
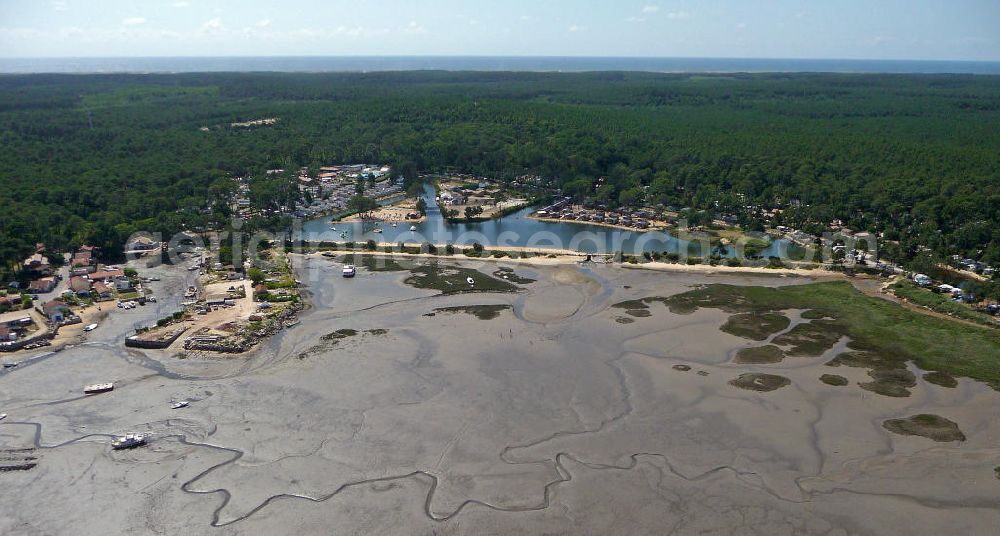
(548, 417)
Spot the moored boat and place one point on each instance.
(96, 388)
(128, 441)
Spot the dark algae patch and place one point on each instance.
(339, 334)
(924, 425)
(623, 320)
(639, 308)
(891, 382)
(996, 472)
(834, 380)
(482, 312)
(508, 274)
(376, 263)
(330, 340)
(760, 355)
(941, 379)
(883, 334)
(755, 381)
(757, 327)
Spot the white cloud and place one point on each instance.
(263, 23)
(212, 26)
(133, 21)
(741, 25)
(635, 19)
(59, 5)
(414, 28)
(182, 3)
(577, 28)
(650, 9)
(474, 22)
(678, 15)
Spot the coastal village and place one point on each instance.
(230, 309)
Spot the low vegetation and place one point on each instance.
(760, 355)
(482, 312)
(756, 381)
(834, 380)
(930, 426)
(757, 327)
(884, 335)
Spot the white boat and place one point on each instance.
(349, 270)
(393, 224)
(3, 416)
(12, 364)
(377, 230)
(90, 327)
(179, 405)
(332, 228)
(413, 227)
(128, 441)
(96, 388)
(470, 280)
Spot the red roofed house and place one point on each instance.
(105, 275)
(56, 310)
(103, 291)
(80, 286)
(45, 284)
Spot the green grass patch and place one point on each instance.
(882, 332)
(757, 327)
(452, 279)
(375, 263)
(811, 339)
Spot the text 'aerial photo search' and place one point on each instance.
(581, 267)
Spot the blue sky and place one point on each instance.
(862, 29)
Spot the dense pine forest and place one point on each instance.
(92, 158)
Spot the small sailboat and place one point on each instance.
(413, 228)
(333, 227)
(377, 230)
(393, 224)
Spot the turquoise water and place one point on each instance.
(515, 229)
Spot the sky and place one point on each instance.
(843, 29)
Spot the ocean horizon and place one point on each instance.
(163, 64)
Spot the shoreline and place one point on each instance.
(651, 228)
(562, 256)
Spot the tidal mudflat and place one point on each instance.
(410, 401)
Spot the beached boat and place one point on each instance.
(90, 327)
(3, 416)
(128, 441)
(179, 405)
(349, 270)
(12, 364)
(97, 388)
(470, 280)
